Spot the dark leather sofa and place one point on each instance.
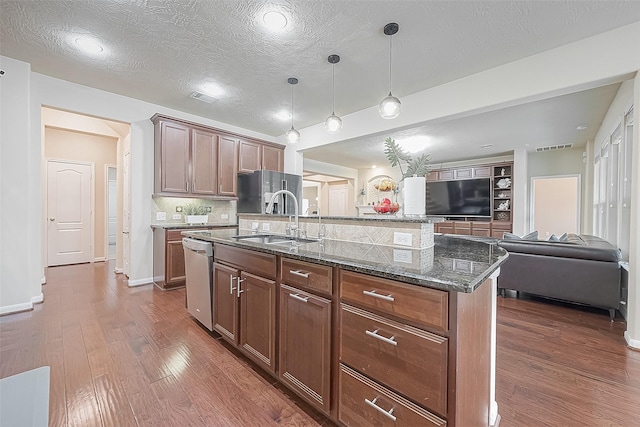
(583, 269)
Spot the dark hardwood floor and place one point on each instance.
(124, 356)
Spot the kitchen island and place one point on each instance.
(366, 333)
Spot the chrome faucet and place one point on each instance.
(320, 227)
(269, 208)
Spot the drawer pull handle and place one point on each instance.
(299, 298)
(372, 403)
(374, 334)
(384, 297)
(299, 273)
(239, 290)
(231, 287)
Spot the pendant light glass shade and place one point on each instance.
(333, 124)
(389, 107)
(292, 135)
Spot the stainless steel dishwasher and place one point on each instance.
(198, 259)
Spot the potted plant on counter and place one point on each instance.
(196, 214)
(414, 191)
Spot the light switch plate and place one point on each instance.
(224, 216)
(404, 239)
(161, 216)
(176, 216)
(266, 226)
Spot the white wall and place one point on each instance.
(23, 95)
(20, 271)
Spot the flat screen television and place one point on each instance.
(469, 197)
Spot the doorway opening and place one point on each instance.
(555, 205)
(327, 195)
(71, 140)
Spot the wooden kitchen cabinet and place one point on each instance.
(244, 305)
(249, 156)
(204, 163)
(272, 158)
(227, 167)
(305, 345)
(172, 155)
(168, 259)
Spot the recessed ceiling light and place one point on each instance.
(213, 90)
(274, 20)
(414, 144)
(89, 45)
(283, 115)
(486, 146)
(581, 127)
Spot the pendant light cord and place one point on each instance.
(333, 88)
(390, 38)
(291, 106)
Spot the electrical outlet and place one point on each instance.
(266, 226)
(402, 255)
(224, 216)
(176, 216)
(404, 239)
(255, 226)
(178, 208)
(161, 216)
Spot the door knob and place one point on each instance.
(52, 219)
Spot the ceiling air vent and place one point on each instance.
(203, 97)
(554, 147)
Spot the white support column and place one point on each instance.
(632, 334)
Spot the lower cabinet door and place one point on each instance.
(363, 402)
(305, 345)
(258, 319)
(225, 302)
(174, 264)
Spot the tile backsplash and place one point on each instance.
(222, 211)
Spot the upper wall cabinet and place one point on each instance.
(255, 156)
(272, 158)
(193, 161)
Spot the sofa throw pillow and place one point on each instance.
(510, 236)
(553, 238)
(564, 237)
(531, 236)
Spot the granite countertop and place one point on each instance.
(381, 217)
(182, 225)
(452, 264)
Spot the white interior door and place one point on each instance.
(112, 213)
(555, 205)
(126, 213)
(69, 212)
(338, 200)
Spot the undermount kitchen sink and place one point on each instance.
(274, 239)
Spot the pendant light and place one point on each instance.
(333, 124)
(292, 135)
(390, 106)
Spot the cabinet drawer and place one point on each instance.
(445, 175)
(463, 173)
(306, 275)
(408, 360)
(482, 172)
(365, 403)
(410, 302)
(253, 262)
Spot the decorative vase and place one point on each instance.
(415, 190)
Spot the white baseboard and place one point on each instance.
(37, 299)
(43, 280)
(118, 270)
(15, 308)
(635, 344)
(99, 259)
(140, 282)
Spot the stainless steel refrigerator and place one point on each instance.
(256, 188)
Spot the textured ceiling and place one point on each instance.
(528, 126)
(162, 51)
